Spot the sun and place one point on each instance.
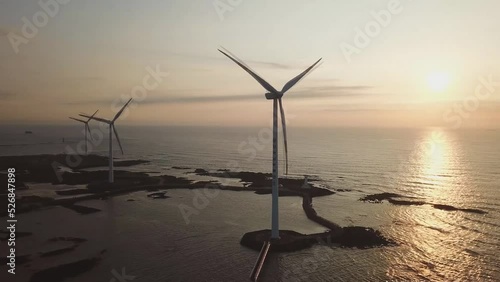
(438, 81)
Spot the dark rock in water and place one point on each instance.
(444, 207)
(98, 180)
(81, 209)
(255, 179)
(474, 211)
(158, 195)
(314, 192)
(452, 208)
(35, 199)
(378, 198)
(201, 171)
(20, 259)
(29, 203)
(61, 272)
(57, 251)
(361, 237)
(181, 167)
(343, 190)
(406, 203)
(42, 168)
(4, 235)
(281, 192)
(70, 192)
(69, 239)
(211, 184)
(161, 197)
(178, 181)
(130, 200)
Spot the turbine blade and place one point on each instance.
(92, 115)
(88, 129)
(118, 139)
(77, 119)
(296, 79)
(240, 63)
(96, 118)
(283, 123)
(121, 111)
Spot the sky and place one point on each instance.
(386, 63)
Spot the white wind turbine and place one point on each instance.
(87, 129)
(276, 96)
(112, 129)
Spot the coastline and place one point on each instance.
(157, 187)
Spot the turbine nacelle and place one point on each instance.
(272, 96)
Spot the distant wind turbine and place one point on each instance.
(112, 129)
(87, 129)
(276, 96)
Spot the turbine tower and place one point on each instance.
(87, 129)
(112, 129)
(276, 96)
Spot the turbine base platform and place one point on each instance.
(289, 241)
(351, 237)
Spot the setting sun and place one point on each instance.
(438, 81)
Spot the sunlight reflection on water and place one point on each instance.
(441, 248)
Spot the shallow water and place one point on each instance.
(152, 240)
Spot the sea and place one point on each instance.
(153, 240)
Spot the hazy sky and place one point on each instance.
(421, 67)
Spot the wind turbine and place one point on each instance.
(276, 96)
(112, 129)
(87, 129)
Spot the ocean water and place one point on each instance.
(152, 240)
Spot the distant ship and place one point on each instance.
(28, 132)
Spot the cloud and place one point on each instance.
(192, 96)
(487, 106)
(304, 93)
(250, 62)
(332, 90)
(272, 65)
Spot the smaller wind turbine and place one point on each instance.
(87, 129)
(112, 129)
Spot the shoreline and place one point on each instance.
(47, 169)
